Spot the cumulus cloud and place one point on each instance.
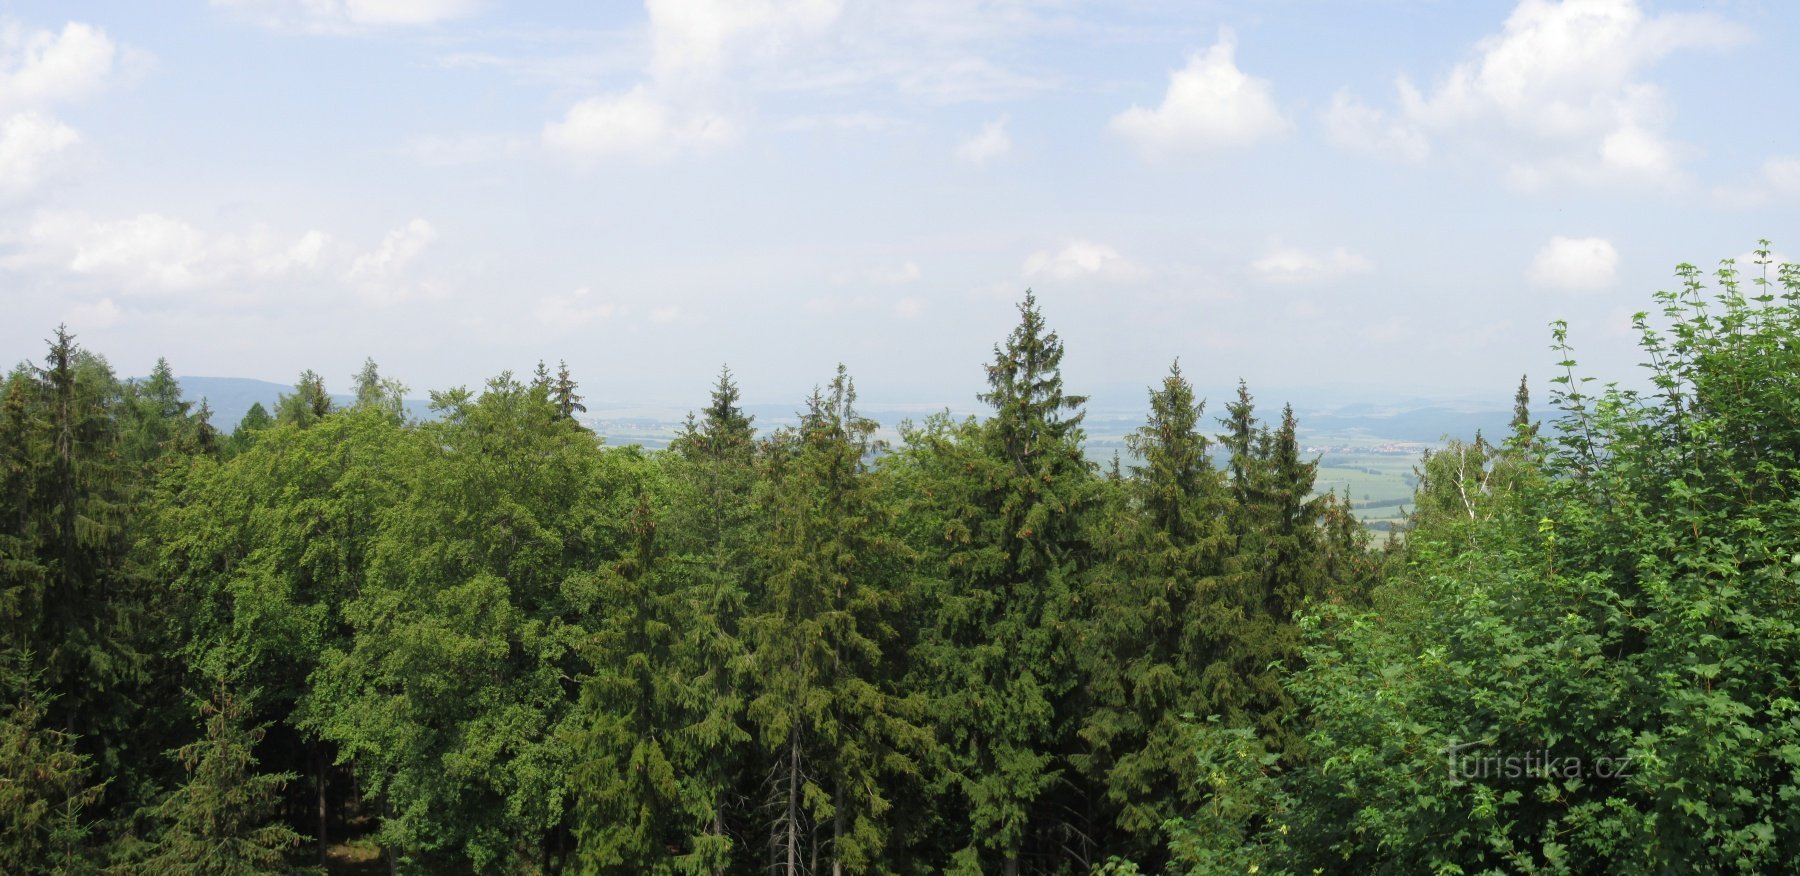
(1081, 259)
(1355, 125)
(989, 143)
(41, 68)
(636, 125)
(156, 255)
(345, 16)
(397, 250)
(151, 252)
(1576, 264)
(1293, 265)
(1559, 93)
(1210, 104)
(696, 38)
(31, 147)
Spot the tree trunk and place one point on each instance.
(321, 769)
(837, 829)
(793, 806)
(718, 825)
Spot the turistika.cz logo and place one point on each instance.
(1466, 762)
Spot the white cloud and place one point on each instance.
(151, 252)
(634, 124)
(1581, 264)
(40, 68)
(662, 315)
(159, 255)
(346, 16)
(909, 308)
(697, 38)
(989, 143)
(1292, 265)
(1559, 93)
(1352, 124)
(382, 273)
(574, 310)
(1081, 259)
(31, 145)
(1210, 104)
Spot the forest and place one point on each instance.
(338, 638)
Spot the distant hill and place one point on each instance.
(231, 398)
(652, 425)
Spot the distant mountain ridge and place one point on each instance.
(231, 397)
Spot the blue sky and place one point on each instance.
(1354, 200)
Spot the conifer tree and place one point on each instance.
(712, 534)
(1161, 622)
(308, 403)
(222, 821)
(1524, 431)
(68, 592)
(823, 649)
(46, 786)
(1008, 496)
(563, 395)
(156, 416)
(633, 762)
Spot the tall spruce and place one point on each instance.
(1007, 497)
(1161, 622)
(838, 735)
(712, 537)
(70, 593)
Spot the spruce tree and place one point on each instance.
(1160, 622)
(839, 736)
(222, 821)
(1007, 497)
(307, 404)
(563, 395)
(46, 785)
(69, 592)
(712, 535)
(630, 766)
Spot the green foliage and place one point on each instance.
(221, 820)
(1157, 645)
(1615, 597)
(823, 650)
(1003, 504)
(309, 402)
(452, 692)
(46, 786)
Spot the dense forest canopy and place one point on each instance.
(339, 638)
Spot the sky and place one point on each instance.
(1351, 200)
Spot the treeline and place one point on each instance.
(494, 645)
